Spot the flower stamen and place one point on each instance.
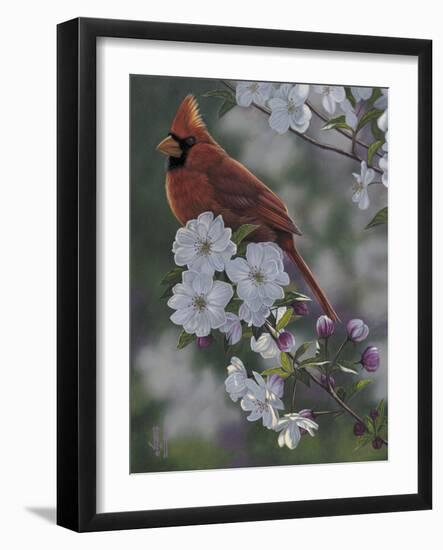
(199, 302)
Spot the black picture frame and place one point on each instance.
(76, 295)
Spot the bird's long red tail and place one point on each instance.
(325, 304)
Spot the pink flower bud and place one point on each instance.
(286, 341)
(357, 330)
(370, 359)
(359, 429)
(374, 414)
(307, 413)
(324, 380)
(204, 341)
(300, 308)
(377, 443)
(325, 326)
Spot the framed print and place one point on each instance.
(243, 331)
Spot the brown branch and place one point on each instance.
(328, 389)
(307, 138)
(339, 130)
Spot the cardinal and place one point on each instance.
(202, 177)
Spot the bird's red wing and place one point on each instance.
(237, 189)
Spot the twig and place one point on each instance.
(307, 138)
(339, 130)
(294, 389)
(329, 389)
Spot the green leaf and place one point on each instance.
(376, 93)
(376, 132)
(313, 362)
(358, 387)
(291, 296)
(276, 370)
(363, 440)
(379, 219)
(373, 148)
(225, 107)
(346, 369)
(257, 332)
(301, 350)
(185, 339)
(286, 363)
(379, 421)
(222, 94)
(381, 408)
(370, 425)
(233, 305)
(173, 277)
(373, 114)
(350, 97)
(284, 320)
(341, 392)
(337, 122)
(167, 293)
(243, 231)
(303, 376)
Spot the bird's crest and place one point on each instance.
(188, 121)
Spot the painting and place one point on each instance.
(258, 273)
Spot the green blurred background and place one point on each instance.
(179, 395)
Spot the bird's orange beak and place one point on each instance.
(170, 147)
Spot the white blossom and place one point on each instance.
(204, 244)
(350, 114)
(384, 165)
(288, 108)
(235, 383)
(382, 101)
(289, 427)
(266, 345)
(252, 92)
(199, 303)
(259, 277)
(331, 96)
(383, 121)
(383, 124)
(261, 401)
(360, 186)
(361, 93)
(255, 318)
(232, 329)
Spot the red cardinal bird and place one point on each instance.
(202, 177)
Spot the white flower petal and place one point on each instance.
(274, 291)
(237, 270)
(182, 316)
(279, 121)
(254, 254)
(338, 93)
(220, 294)
(247, 290)
(179, 301)
(184, 255)
(185, 237)
(216, 316)
(363, 203)
(299, 93)
(202, 284)
(329, 103)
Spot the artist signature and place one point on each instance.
(159, 442)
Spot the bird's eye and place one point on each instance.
(190, 141)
